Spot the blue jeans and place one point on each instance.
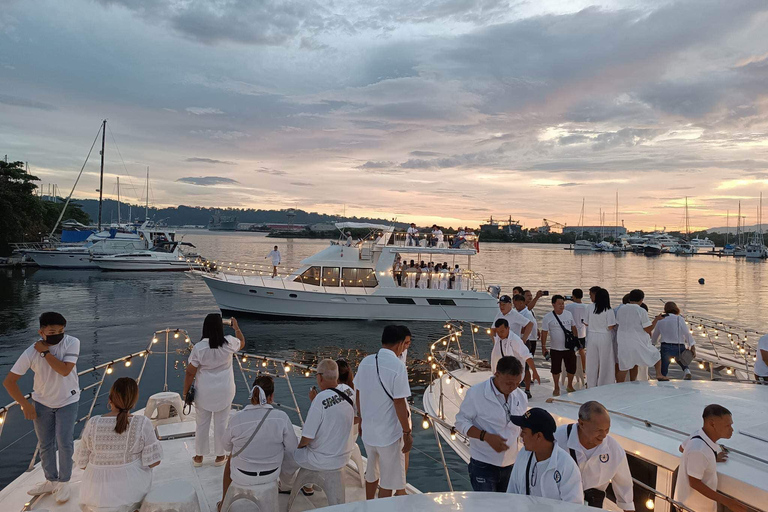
(668, 351)
(486, 477)
(55, 428)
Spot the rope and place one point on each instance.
(130, 181)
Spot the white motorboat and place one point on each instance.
(649, 419)
(163, 256)
(583, 245)
(358, 282)
(175, 430)
(702, 244)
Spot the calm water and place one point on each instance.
(115, 313)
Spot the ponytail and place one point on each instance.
(123, 396)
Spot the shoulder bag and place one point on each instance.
(189, 399)
(258, 427)
(571, 341)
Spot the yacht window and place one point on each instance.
(358, 277)
(643, 471)
(441, 302)
(400, 300)
(310, 276)
(330, 276)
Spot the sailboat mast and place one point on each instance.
(727, 227)
(146, 205)
(101, 172)
(118, 201)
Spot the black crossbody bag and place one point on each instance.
(571, 341)
(378, 374)
(345, 397)
(592, 497)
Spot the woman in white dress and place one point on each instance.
(210, 367)
(601, 357)
(117, 451)
(634, 339)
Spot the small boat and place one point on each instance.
(583, 245)
(164, 255)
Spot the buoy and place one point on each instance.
(701, 280)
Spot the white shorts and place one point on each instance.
(387, 465)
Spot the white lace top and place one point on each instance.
(102, 446)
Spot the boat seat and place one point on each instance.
(329, 481)
(162, 404)
(263, 496)
(357, 458)
(172, 496)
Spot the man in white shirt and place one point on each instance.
(458, 239)
(672, 331)
(580, 313)
(600, 458)
(412, 234)
(553, 326)
(261, 439)
(382, 388)
(55, 392)
(761, 364)
(697, 476)
(507, 343)
(518, 301)
(544, 469)
(274, 255)
(484, 418)
(518, 324)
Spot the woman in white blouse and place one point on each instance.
(601, 357)
(117, 451)
(210, 367)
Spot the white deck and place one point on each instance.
(176, 465)
(469, 501)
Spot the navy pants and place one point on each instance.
(668, 351)
(486, 477)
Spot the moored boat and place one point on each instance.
(164, 255)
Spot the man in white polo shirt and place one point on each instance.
(56, 392)
(274, 255)
(761, 364)
(697, 476)
(518, 324)
(506, 343)
(553, 326)
(382, 388)
(579, 312)
(484, 418)
(600, 458)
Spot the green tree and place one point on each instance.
(21, 212)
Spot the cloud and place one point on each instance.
(424, 153)
(21, 102)
(220, 134)
(302, 184)
(207, 181)
(202, 111)
(376, 165)
(208, 161)
(273, 172)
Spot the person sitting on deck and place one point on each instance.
(458, 239)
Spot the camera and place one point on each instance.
(545, 293)
(569, 297)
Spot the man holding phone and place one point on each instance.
(56, 392)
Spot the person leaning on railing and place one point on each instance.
(56, 393)
(118, 451)
(675, 338)
(210, 367)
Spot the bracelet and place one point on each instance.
(482, 435)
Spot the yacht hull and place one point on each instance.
(143, 266)
(62, 259)
(380, 304)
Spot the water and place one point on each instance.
(116, 313)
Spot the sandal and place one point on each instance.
(220, 461)
(197, 463)
(662, 379)
(307, 493)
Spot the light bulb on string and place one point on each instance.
(109, 370)
(425, 423)
(128, 362)
(287, 368)
(649, 504)
(154, 339)
(453, 434)
(701, 366)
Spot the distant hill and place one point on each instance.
(744, 229)
(199, 216)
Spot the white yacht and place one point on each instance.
(583, 245)
(164, 255)
(702, 244)
(357, 281)
(659, 242)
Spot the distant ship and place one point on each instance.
(221, 222)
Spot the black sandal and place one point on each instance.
(305, 493)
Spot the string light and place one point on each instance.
(434, 366)
(453, 434)
(488, 331)
(2, 419)
(440, 373)
(649, 504)
(729, 371)
(701, 366)
(448, 380)
(425, 423)
(306, 373)
(264, 363)
(671, 360)
(154, 339)
(141, 354)
(245, 359)
(475, 329)
(287, 368)
(128, 362)
(176, 334)
(109, 370)
(429, 358)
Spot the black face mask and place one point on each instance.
(54, 339)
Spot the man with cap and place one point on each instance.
(484, 417)
(544, 469)
(518, 324)
(507, 343)
(600, 458)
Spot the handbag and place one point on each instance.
(686, 356)
(571, 341)
(189, 399)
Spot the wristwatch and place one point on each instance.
(44, 353)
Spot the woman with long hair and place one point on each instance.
(601, 358)
(118, 451)
(210, 368)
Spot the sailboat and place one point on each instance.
(685, 247)
(756, 247)
(581, 244)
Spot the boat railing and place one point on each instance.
(426, 241)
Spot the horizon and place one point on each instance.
(446, 112)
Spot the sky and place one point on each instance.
(445, 111)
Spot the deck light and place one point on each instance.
(245, 359)
(154, 339)
(453, 434)
(701, 366)
(287, 368)
(649, 504)
(109, 370)
(264, 363)
(425, 423)
(434, 366)
(128, 362)
(176, 334)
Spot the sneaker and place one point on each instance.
(62, 492)
(197, 461)
(220, 461)
(687, 376)
(44, 487)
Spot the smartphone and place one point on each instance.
(545, 292)
(227, 321)
(568, 297)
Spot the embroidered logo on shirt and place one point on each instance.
(604, 458)
(73, 392)
(558, 476)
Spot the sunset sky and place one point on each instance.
(442, 111)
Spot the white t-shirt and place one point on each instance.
(50, 388)
(527, 313)
(215, 380)
(381, 426)
(673, 330)
(517, 322)
(512, 345)
(328, 424)
(699, 461)
(600, 322)
(761, 369)
(275, 257)
(579, 313)
(556, 335)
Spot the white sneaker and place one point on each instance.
(44, 487)
(62, 492)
